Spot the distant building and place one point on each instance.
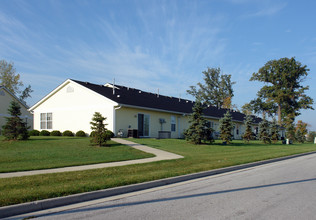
(6, 97)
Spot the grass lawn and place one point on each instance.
(197, 158)
(51, 152)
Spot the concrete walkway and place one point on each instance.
(159, 155)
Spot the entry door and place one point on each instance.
(143, 125)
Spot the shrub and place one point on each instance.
(311, 136)
(80, 134)
(92, 134)
(55, 133)
(68, 133)
(34, 133)
(44, 133)
(109, 134)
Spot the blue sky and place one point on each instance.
(156, 44)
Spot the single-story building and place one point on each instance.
(129, 111)
(6, 97)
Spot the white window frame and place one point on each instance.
(46, 120)
(173, 126)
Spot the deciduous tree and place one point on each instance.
(216, 90)
(11, 80)
(283, 87)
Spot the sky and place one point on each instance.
(156, 44)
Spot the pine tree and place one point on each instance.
(198, 129)
(100, 135)
(274, 131)
(226, 127)
(300, 131)
(15, 128)
(248, 135)
(264, 134)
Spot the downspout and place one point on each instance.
(114, 118)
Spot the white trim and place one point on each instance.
(62, 86)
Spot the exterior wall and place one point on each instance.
(127, 118)
(5, 100)
(72, 108)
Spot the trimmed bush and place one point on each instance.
(92, 134)
(109, 134)
(34, 133)
(80, 134)
(55, 133)
(68, 133)
(44, 133)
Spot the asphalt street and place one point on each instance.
(281, 190)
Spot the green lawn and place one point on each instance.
(197, 158)
(52, 152)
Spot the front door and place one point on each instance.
(143, 125)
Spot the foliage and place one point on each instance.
(274, 131)
(248, 135)
(100, 136)
(198, 129)
(10, 80)
(44, 133)
(15, 128)
(109, 133)
(290, 128)
(311, 136)
(226, 127)
(217, 88)
(300, 131)
(80, 134)
(68, 133)
(264, 133)
(34, 133)
(283, 87)
(55, 133)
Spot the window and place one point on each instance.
(46, 120)
(173, 123)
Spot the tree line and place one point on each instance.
(282, 95)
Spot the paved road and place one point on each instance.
(282, 190)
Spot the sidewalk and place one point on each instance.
(159, 155)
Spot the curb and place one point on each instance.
(40, 205)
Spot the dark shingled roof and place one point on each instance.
(135, 97)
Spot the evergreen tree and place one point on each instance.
(300, 131)
(198, 129)
(274, 131)
(99, 133)
(248, 135)
(226, 127)
(264, 133)
(15, 128)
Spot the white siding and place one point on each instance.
(72, 108)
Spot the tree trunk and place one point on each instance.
(279, 114)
